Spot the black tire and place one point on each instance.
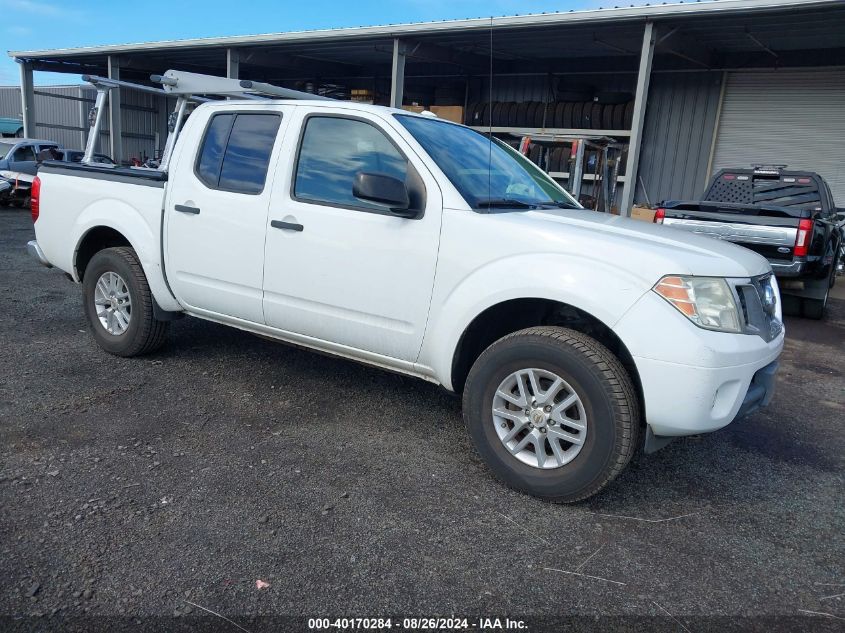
(577, 112)
(560, 108)
(513, 114)
(567, 116)
(522, 114)
(145, 333)
(596, 118)
(619, 116)
(606, 391)
(629, 115)
(607, 116)
(540, 116)
(485, 115)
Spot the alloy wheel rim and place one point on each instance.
(539, 418)
(113, 303)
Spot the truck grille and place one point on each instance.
(758, 302)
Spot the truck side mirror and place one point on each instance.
(386, 190)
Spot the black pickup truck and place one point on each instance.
(789, 217)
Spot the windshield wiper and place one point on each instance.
(560, 205)
(504, 203)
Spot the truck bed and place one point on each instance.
(103, 172)
(74, 196)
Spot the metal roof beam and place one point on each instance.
(423, 51)
(751, 36)
(298, 62)
(690, 52)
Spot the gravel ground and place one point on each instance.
(135, 487)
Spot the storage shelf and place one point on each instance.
(565, 175)
(538, 131)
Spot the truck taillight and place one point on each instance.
(34, 195)
(659, 216)
(803, 237)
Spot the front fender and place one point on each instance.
(145, 239)
(602, 291)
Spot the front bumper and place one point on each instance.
(35, 251)
(685, 400)
(694, 380)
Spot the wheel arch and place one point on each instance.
(94, 240)
(96, 234)
(512, 315)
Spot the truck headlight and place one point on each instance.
(706, 301)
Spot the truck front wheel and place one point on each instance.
(552, 412)
(119, 304)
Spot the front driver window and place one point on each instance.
(25, 153)
(333, 150)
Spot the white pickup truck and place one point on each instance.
(420, 246)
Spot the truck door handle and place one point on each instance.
(287, 226)
(183, 208)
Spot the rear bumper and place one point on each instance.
(35, 251)
(788, 269)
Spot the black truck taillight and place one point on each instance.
(659, 216)
(803, 238)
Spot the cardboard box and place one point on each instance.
(642, 213)
(447, 113)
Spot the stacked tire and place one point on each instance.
(573, 115)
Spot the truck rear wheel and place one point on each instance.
(119, 304)
(552, 412)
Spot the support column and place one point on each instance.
(162, 118)
(115, 124)
(397, 77)
(233, 63)
(27, 100)
(635, 142)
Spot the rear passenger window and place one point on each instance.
(333, 150)
(235, 152)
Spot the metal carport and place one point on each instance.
(685, 49)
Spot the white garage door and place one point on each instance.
(796, 118)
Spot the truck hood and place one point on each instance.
(648, 251)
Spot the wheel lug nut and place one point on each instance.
(528, 412)
(504, 425)
(547, 408)
(542, 430)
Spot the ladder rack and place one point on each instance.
(185, 87)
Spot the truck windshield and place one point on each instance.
(5, 148)
(489, 174)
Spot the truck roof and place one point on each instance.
(322, 103)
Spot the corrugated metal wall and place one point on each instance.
(10, 102)
(678, 134)
(60, 114)
(65, 120)
(795, 117)
(538, 87)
